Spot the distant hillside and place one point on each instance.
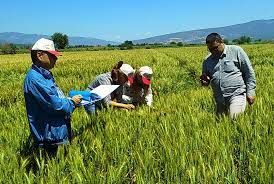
(89, 41)
(21, 38)
(259, 29)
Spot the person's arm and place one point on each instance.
(109, 102)
(49, 101)
(204, 78)
(248, 75)
(117, 100)
(121, 105)
(149, 96)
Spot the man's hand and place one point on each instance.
(205, 80)
(77, 99)
(250, 99)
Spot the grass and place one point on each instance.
(178, 141)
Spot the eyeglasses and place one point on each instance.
(215, 48)
(50, 55)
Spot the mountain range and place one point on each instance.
(258, 29)
(29, 39)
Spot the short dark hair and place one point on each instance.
(214, 37)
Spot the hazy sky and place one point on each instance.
(120, 20)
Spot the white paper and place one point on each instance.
(85, 102)
(104, 90)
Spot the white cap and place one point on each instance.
(146, 73)
(145, 70)
(45, 45)
(127, 69)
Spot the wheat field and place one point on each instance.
(179, 140)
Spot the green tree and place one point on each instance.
(8, 48)
(60, 40)
(245, 39)
(258, 40)
(180, 44)
(226, 41)
(242, 40)
(126, 45)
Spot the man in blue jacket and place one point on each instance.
(48, 109)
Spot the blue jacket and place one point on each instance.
(48, 110)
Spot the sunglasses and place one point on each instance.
(215, 48)
(50, 54)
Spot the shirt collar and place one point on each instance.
(224, 53)
(46, 73)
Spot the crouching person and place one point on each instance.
(139, 89)
(118, 76)
(48, 110)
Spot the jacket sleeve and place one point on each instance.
(247, 72)
(149, 96)
(204, 68)
(104, 81)
(49, 100)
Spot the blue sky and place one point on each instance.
(120, 20)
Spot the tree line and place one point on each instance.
(61, 41)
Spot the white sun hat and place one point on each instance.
(145, 70)
(44, 44)
(127, 69)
